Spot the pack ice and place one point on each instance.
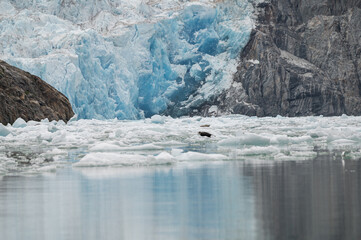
(46, 146)
(127, 59)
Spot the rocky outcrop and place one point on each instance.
(303, 58)
(27, 96)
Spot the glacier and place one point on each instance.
(128, 59)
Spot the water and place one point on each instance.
(255, 178)
(249, 199)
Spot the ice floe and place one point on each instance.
(45, 146)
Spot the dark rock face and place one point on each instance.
(303, 58)
(27, 96)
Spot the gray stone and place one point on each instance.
(303, 58)
(26, 96)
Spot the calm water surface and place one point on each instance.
(317, 199)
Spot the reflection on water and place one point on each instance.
(318, 199)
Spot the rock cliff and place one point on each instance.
(303, 58)
(27, 96)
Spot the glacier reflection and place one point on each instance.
(199, 202)
(317, 199)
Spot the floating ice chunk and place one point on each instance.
(110, 159)
(230, 142)
(50, 168)
(157, 119)
(196, 156)
(171, 143)
(60, 123)
(176, 152)
(3, 131)
(303, 155)
(300, 139)
(256, 150)
(47, 136)
(122, 160)
(253, 139)
(55, 151)
(51, 128)
(149, 146)
(60, 137)
(19, 123)
(247, 139)
(343, 142)
(105, 147)
(164, 158)
(280, 140)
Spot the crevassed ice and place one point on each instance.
(127, 59)
(45, 146)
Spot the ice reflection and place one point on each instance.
(317, 199)
(197, 202)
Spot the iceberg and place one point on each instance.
(19, 123)
(128, 59)
(3, 131)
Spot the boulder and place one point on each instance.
(26, 96)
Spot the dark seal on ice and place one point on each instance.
(205, 134)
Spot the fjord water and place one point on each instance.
(255, 178)
(316, 199)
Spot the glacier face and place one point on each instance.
(127, 59)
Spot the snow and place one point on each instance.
(47, 146)
(213, 109)
(253, 61)
(127, 59)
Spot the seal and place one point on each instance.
(205, 134)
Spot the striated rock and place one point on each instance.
(303, 58)
(26, 96)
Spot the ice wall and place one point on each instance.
(127, 59)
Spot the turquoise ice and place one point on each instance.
(127, 60)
